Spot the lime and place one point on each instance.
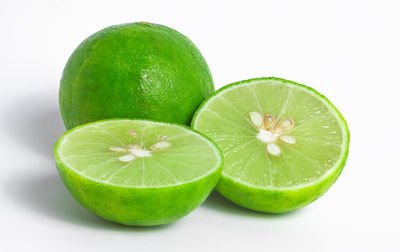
(136, 70)
(138, 172)
(284, 143)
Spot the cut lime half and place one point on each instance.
(138, 172)
(284, 144)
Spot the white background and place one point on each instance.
(346, 49)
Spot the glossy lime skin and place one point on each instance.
(274, 200)
(135, 70)
(277, 200)
(138, 206)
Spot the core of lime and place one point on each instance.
(138, 172)
(284, 144)
(136, 70)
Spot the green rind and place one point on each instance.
(138, 206)
(277, 200)
(135, 70)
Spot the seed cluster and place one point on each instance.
(270, 131)
(133, 151)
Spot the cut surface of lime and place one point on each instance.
(284, 144)
(138, 172)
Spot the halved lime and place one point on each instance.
(138, 172)
(284, 144)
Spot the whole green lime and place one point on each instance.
(135, 70)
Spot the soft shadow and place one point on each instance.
(218, 203)
(34, 122)
(46, 194)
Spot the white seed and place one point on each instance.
(160, 146)
(273, 149)
(286, 124)
(288, 139)
(269, 121)
(257, 119)
(132, 133)
(126, 158)
(118, 149)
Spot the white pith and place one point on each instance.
(267, 136)
(141, 153)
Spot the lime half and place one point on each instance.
(138, 172)
(284, 144)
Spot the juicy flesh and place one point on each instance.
(258, 155)
(110, 152)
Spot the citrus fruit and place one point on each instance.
(138, 172)
(136, 70)
(284, 144)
